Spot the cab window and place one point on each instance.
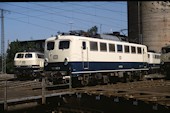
(64, 44)
(20, 55)
(50, 45)
(28, 55)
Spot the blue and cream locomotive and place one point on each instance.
(89, 60)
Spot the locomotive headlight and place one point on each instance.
(65, 61)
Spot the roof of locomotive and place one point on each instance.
(30, 52)
(110, 36)
(66, 36)
(154, 53)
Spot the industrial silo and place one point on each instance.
(153, 23)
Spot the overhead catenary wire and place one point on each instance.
(82, 20)
(50, 13)
(56, 17)
(37, 25)
(110, 19)
(77, 11)
(96, 7)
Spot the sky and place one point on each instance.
(39, 20)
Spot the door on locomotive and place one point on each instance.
(85, 55)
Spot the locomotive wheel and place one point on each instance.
(34, 75)
(18, 76)
(127, 77)
(99, 78)
(85, 80)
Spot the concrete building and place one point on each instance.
(149, 23)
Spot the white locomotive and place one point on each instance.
(165, 61)
(28, 64)
(154, 62)
(90, 60)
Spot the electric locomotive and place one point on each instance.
(89, 60)
(165, 61)
(154, 62)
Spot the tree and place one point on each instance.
(12, 49)
(93, 31)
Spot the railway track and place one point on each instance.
(134, 85)
(20, 84)
(141, 84)
(14, 83)
(154, 91)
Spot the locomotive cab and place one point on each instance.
(61, 55)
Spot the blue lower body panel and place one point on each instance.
(83, 67)
(152, 66)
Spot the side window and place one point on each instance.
(133, 49)
(126, 49)
(93, 46)
(28, 55)
(84, 45)
(158, 56)
(103, 47)
(50, 45)
(111, 47)
(154, 56)
(119, 48)
(139, 50)
(20, 55)
(64, 44)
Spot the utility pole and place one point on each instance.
(71, 25)
(100, 28)
(139, 24)
(3, 55)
